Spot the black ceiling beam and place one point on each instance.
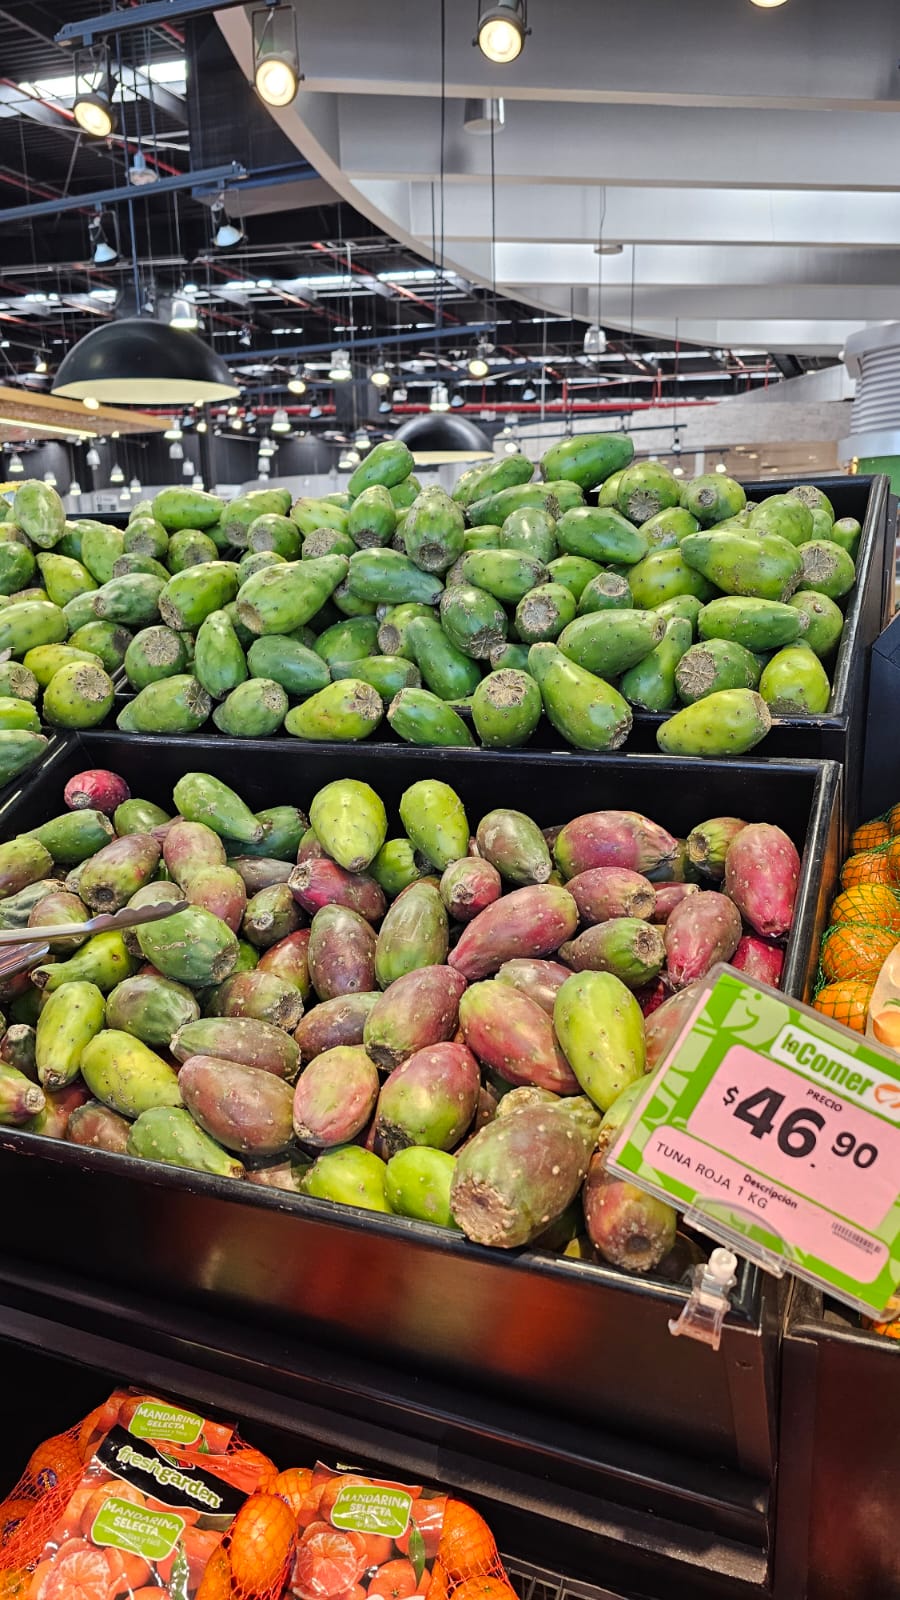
(105, 197)
(148, 15)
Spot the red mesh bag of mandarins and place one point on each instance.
(363, 1538)
(135, 1503)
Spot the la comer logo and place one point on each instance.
(888, 1094)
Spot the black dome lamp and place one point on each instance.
(440, 437)
(139, 361)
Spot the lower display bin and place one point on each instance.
(838, 1531)
(576, 1518)
(569, 1337)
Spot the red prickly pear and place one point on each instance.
(514, 1037)
(670, 895)
(243, 1108)
(341, 952)
(651, 996)
(188, 846)
(469, 886)
(762, 871)
(541, 981)
(529, 922)
(627, 1226)
(759, 959)
(98, 789)
(419, 1009)
(518, 1174)
(116, 872)
(703, 929)
(665, 1023)
(335, 1097)
(632, 950)
(333, 1022)
(220, 890)
(430, 1100)
(708, 844)
(602, 893)
(613, 839)
(309, 848)
(289, 960)
(319, 881)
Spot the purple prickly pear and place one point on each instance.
(602, 893)
(188, 846)
(670, 895)
(319, 881)
(468, 886)
(762, 871)
(529, 922)
(341, 952)
(541, 981)
(220, 890)
(430, 1100)
(520, 1172)
(665, 1022)
(417, 1010)
(613, 839)
(333, 1022)
(335, 1097)
(627, 1226)
(703, 929)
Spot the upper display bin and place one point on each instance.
(582, 1340)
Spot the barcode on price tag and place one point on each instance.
(777, 1132)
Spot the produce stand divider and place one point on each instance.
(639, 1528)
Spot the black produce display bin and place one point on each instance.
(616, 1521)
(573, 1338)
(838, 1530)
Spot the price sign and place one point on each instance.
(777, 1132)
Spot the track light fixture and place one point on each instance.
(92, 107)
(501, 30)
(276, 57)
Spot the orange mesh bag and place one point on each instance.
(872, 903)
(869, 835)
(367, 1539)
(144, 1493)
(870, 866)
(846, 1002)
(852, 951)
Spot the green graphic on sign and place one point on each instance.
(362, 1509)
(778, 1133)
(151, 1534)
(153, 1420)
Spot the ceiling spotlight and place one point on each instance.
(281, 422)
(40, 364)
(92, 107)
(511, 446)
(176, 451)
(116, 475)
(237, 424)
(439, 398)
(276, 57)
(188, 469)
(139, 173)
(478, 364)
(594, 340)
(93, 458)
(50, 478)
(174, 432)
(384, 406)
(135, 486)
(91, 402)
(767, 5)
(379, 375)
(183, 314)
(225, 234)
(398, 397)
(484, 116)
(296, 383)
(678, 472)
(720, 465)
(267, 446)
(15, 463)
(314, 413)
(102, 251)
(347, 460)
(456, 400)
(501, 31)
(340, 370)
(201, 425)
(529, 392)
(75, 489)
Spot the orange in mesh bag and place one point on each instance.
(148, 1494)
(369, 1539)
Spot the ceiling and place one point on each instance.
(744, 158)
(345, 217)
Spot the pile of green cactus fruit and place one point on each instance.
(439, 1023)
(456, 618)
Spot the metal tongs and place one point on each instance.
(27, 947)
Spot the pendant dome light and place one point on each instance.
(440, 436)
(142, 362)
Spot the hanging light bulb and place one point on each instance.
(501, 31)
(92, 107)
(15, 463)
(183, 315)
(399, 395)
(135, 486)
(721, 467)
(237, 424)
(767, 5)
(296, 383)
(188, 469)
(340, 370)
(281, 422)
(201, 425)
(174, 432)
(379, 375)
(176, 451)
(678, 472)
(50, 478)
(226, 235)
(439, 398)
(361, 439)
(124, 495)
(197, 482)
(478, 364)
(102, 251)
(484, 116)
(75, 489)
(93, 458)
(456, 400)
(529, 392)
(314, 413)
(348, 459)
(267, 446)
(139, 173)
(384, 407)
(116, 475)
(91, 403)
(276, 65)
(40, 363)
(594, 341)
